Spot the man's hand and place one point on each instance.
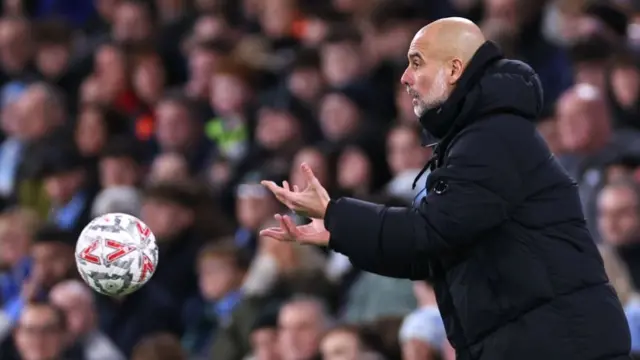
(312, 233)
(311, 202)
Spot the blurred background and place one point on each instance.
(174, 110)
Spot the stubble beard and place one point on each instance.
(436, 96)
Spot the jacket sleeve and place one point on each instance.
(478, 185)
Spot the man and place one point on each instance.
(76, 301)
(40, 334)
(301, 323)
(501, 230)
(619, 221)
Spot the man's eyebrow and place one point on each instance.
(414, 55)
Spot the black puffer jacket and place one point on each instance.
(501, 232)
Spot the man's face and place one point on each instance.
(39, 334)
(340, 345)
(118, 171)
(429, 78)
(52, 60)
(52, 262)
(173, 126)
(217, 277)
(148, 80)
(579, 124)
(404, 151)
(306, 83)
(264, 343)
(339, 117)
(91, 132)
(625, 82)
(63, 186)
(228, 94)
(131, 23)
(78, 311)
(32, 119)
(15, 45)
(276, 129)
(300, 331)
(618, 215)
(165, 219)
(341, 63)
(254, 206)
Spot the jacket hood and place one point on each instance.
(490, 84)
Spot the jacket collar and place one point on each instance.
(440, 121)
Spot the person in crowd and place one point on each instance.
(17, 232)
(405, 157)
(422, 333)
(301, 323)
(179, 129)
(221, 270)
(264, 337)
(589, 142)
(41, 334)
(159, 346)
(347, 342)
(69, 185)
(76, 301)
(619, 221)
(117, 199)
(618, 274)
(169, 209)
(169, 167)
(121, 163)
(52, 256)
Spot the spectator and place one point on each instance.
(120, 163)
(17, 231)
(422, 333)
(52, 254)
(254, 206)
(16, 42)
(129, 319)
(178, 129)
(346, 342)
(619, 220)
(589, 142)
(221, 270)
(169, 167)
(170, 212)
(230, 99)
(264, 337)
(117, 199)
(77, 303)
(41, 334)
(405, 157)
(301, 322)
(95, 128)
(159, 347)
(627, 292)
(69, 186)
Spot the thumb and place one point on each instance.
(311, 178)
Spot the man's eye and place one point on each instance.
(415, 64)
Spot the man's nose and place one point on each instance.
(406, 78)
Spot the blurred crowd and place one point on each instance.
(174, 110)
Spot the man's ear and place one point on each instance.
(456, 68)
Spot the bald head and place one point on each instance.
(447, 39)
(438, 55)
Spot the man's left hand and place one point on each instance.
(311, 202)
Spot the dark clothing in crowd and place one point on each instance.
(501, 233)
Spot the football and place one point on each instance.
(116, 254)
